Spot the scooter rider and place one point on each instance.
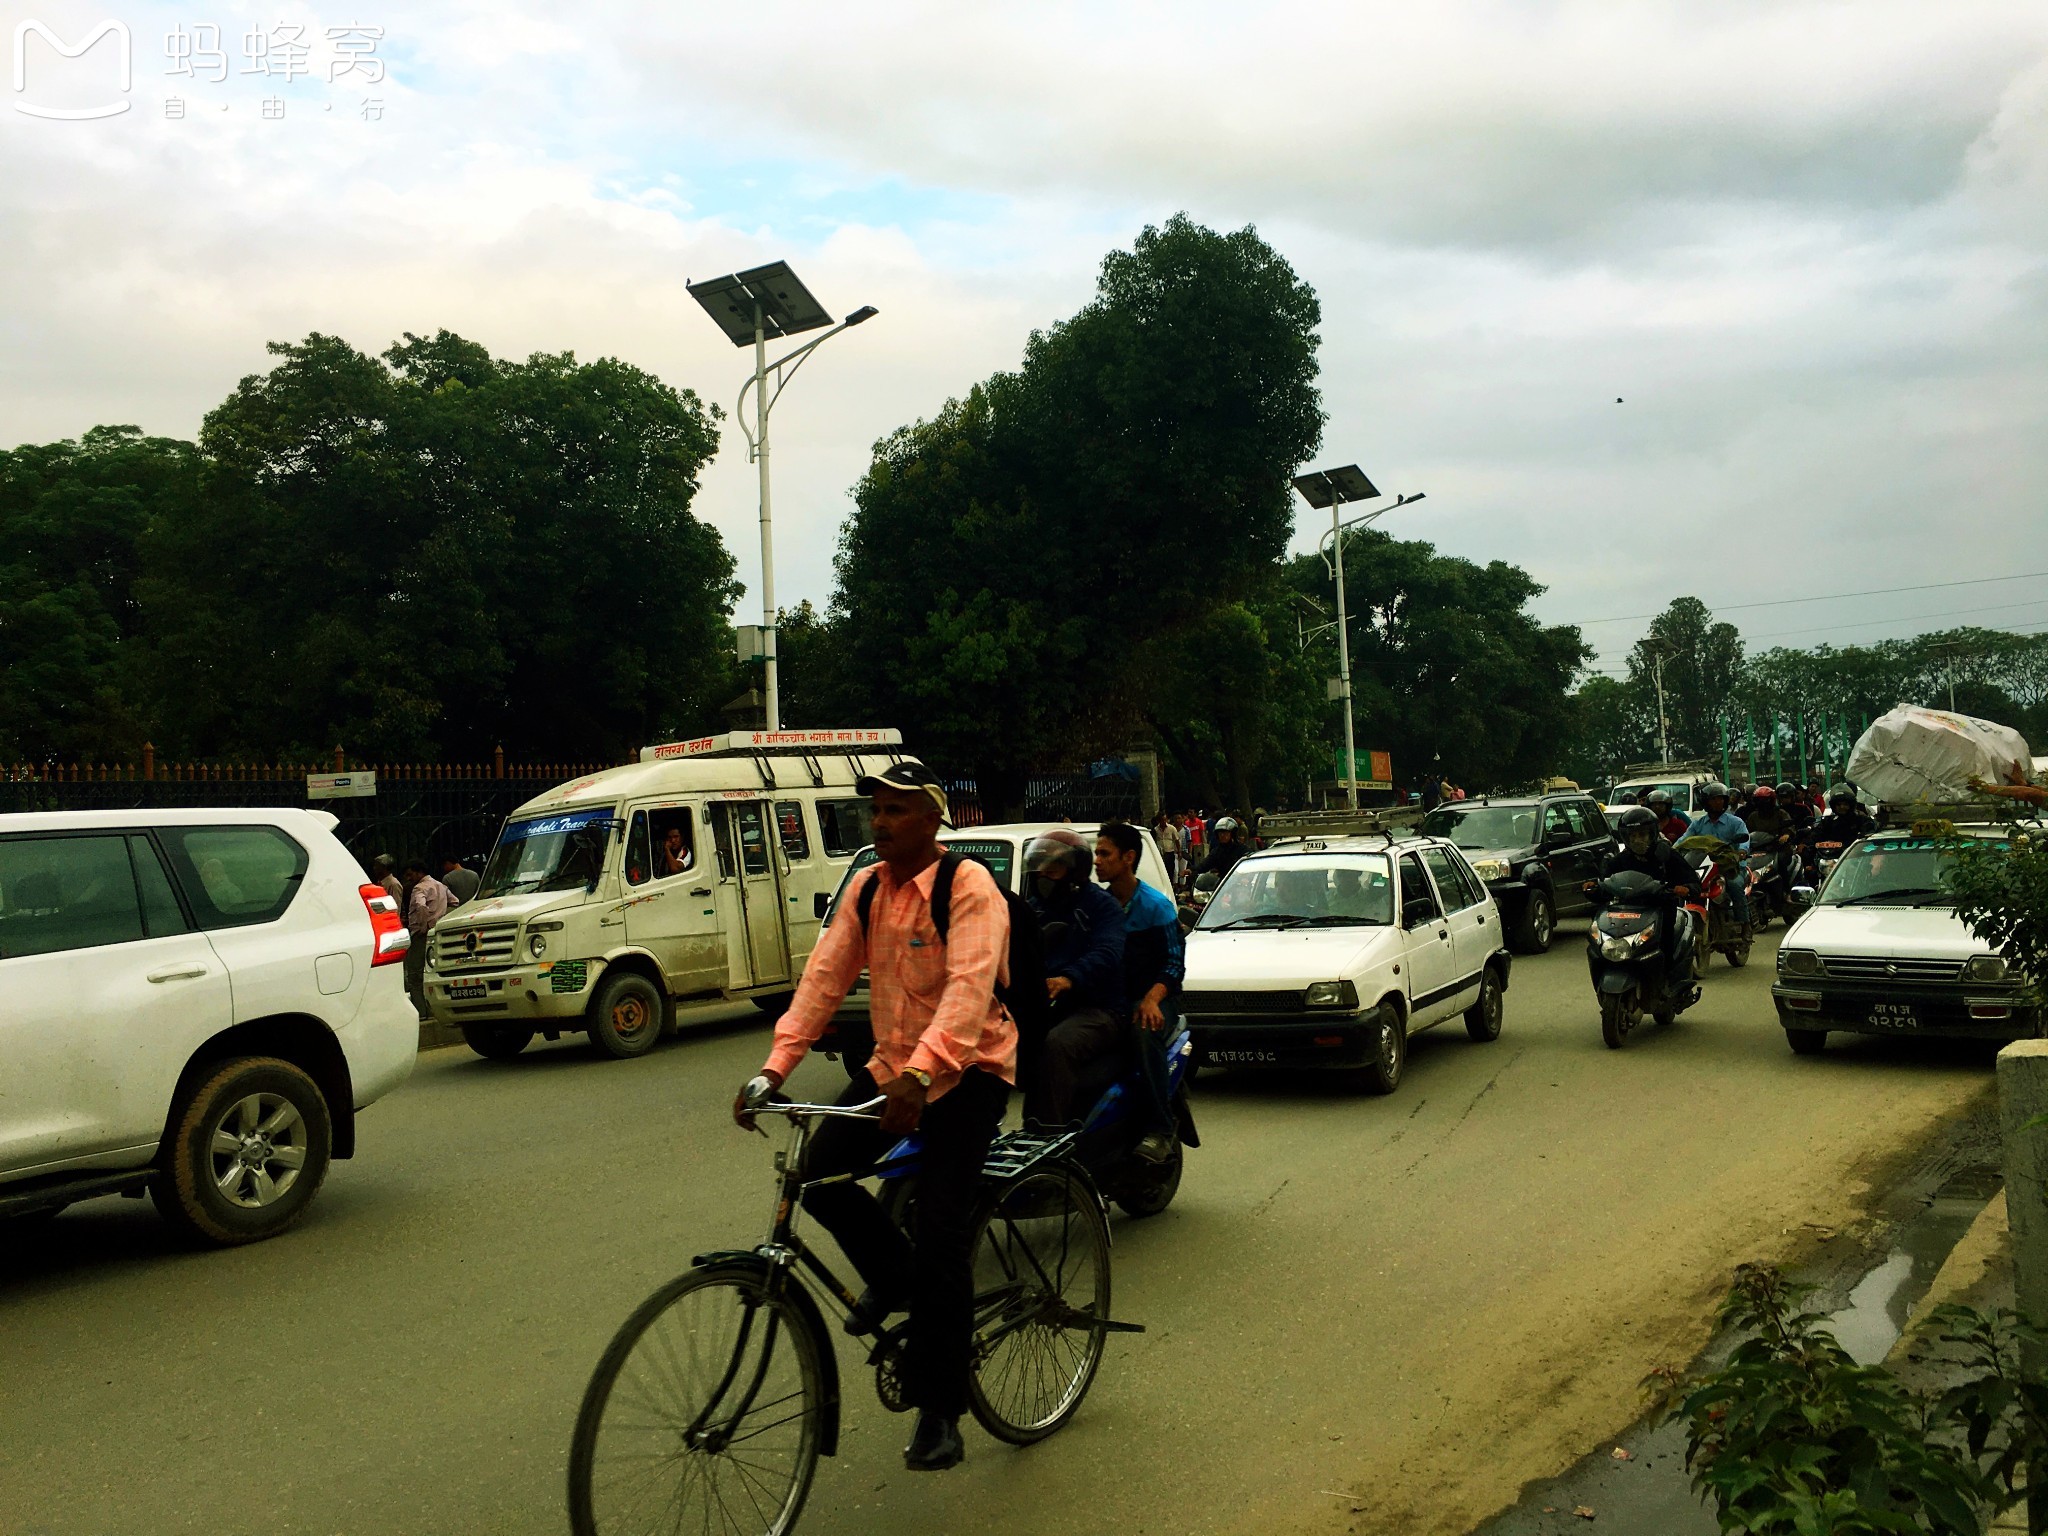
(1226, 846)
(1644, 850)
(1793, 802)
(1716, 820)
(1767, 820)
(1670, 825)
(1845, 821)
(1083, 926)
(1154, 963)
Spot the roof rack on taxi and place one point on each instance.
(1390, 822)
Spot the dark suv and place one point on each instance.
(1535, 853)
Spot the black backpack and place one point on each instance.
(1024, 995)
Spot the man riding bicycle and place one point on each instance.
(945, 1059)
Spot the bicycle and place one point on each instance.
(710, 1407)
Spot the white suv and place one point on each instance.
(196, 1002)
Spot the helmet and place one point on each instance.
(1635, 818)
(1658, 797)
(1841, 792)
(1788, 788)
(1061, 847)
(1712, 788)
(1764, 792)
(1227, 824)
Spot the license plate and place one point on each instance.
(1245, 1056)
(466, 991)
(1892, 1016)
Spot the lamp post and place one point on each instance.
(751, 307)
(1335, 488)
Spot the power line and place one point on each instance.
(1829, 597)
(1909, 618)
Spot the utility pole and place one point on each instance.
(1663, 720)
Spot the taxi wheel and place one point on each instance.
(1807, 1042)
(1382, 1074)
(626, 1018)
(1482, 1019)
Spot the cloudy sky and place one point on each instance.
(1747, 300)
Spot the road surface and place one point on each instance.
(1365, 1314)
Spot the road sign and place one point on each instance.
(341, 786)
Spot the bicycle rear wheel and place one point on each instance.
(702, 1414)
(1041, 1290)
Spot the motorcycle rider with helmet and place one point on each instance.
(1845, 822)
(1718, 821)
(1644, 850)
(1793, 802)
(1083, 928)
(1670, 825)
(1226, 847)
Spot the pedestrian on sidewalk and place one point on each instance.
(460, 879)
(426, 902)
(382, 872)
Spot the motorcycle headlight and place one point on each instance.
(1985, 968)
(1614, 948)
(1798, 962)
(1330, 994)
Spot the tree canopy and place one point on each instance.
(421, 556)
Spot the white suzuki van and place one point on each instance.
(701, 871)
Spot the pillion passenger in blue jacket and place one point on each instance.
(1083, 929)
(1155, 961)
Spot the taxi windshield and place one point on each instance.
(1353, 890)
(1895, 872)
(560, 852)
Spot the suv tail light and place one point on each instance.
(388, 939)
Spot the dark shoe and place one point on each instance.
(935, 1445)
(870, 1312)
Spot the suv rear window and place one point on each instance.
(234, 876)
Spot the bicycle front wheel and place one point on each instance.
(1041, 1290)
(702, 1415)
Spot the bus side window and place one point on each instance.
(675, 850)
(789, 822)
(846, 826)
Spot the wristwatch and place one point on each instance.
(920, 1074)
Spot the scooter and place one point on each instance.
(1772, 875)
(1625, 950)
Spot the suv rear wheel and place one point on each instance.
(248, 1147)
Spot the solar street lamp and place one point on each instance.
(1336, 489)
(754, 307)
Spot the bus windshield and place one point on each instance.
(563, 851)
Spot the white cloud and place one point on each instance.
(1806, 243)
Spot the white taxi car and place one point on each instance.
(192, 1002)
(1882, 952)
(1332, 952)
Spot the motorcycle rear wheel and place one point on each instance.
(1617, 1017)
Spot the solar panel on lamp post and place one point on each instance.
(752, 307)
(1335, 489)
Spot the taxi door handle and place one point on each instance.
(177, 973)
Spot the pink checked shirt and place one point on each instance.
(933, 1004)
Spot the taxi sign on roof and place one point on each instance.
(836, 740)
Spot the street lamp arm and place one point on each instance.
(791, 360)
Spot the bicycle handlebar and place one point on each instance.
(757, 1097)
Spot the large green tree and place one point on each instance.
(72, 520)
(1449, 669)
(430, 553)
(1010, 559)
(1702, 664)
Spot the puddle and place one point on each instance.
(1649, 1493)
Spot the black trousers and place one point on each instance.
(937, 1277)
(1083, 1036)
